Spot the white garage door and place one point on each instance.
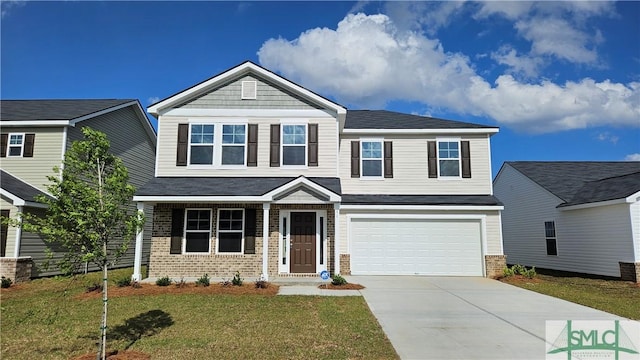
(415, 247)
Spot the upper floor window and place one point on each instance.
(371, 158)
(16, 144)
(294, 144)
(449, 158)
(201, 144)
(233, 144)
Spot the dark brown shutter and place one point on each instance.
(249, 231)
(252, 143)
(5, 140)
(355, 159)
(274, 153)
(433, 159)
(466, 159)
(183, 144)
(29, 141)
(313, 144)
(177, 230)
(388, 159)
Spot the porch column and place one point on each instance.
(265, 240)
(16, 249)
(137, 260)
(336, 237)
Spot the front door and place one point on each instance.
(303, 242)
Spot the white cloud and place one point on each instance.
(6, 6)
(607, 136)
(524, 65)
(428, 15)
(153, 100)
(632, 157)
(367, 61)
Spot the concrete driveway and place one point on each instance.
(465, 317)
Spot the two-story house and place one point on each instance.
(257, 174)
(35, 136)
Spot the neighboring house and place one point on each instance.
(35, 136)
(257, 174)
(572, 216)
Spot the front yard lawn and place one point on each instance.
(613, 296)
(49, 318)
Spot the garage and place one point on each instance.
(390, 246)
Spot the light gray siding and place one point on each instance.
(47, 153)
(327, 150)
(410, 172)
(591, 240)
(635, 228)
(269, 96)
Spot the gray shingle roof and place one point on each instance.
(474, 200)
(224, 186)
(580, 182)
(383, 119)
(26, 110)
(19, 188)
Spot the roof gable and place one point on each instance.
(582, 181)
(243, 69)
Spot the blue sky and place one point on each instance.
(560, 79)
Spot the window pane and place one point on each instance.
(15, 151)
(371, 167)
(230, 220)
(550, 229)
(371, 150)
(198, 219)
(202, 155)
(449, 168)
(294, 134)
(230, 242)
(233, 134)
(233, 155)
(448, 150)
(552, 248)
(15, 140)
(293, 155)
(202, 134)
(197, 242)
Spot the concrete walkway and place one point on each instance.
(465, 317)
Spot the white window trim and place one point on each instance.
(442, 140)
(366, 177)
(555, 237)
(306, 144)
(284, 240)
(218, 145)
(9, 146)
(218, 252)
(184, 232)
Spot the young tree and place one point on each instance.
(89, 217)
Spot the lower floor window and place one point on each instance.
(230, 230)
(197, 231)
(550, 234)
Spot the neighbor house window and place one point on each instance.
(201, 144)
(449, 158)
(230, 230)
(294, 144)
(197, 231)
(371, 158)
(550, 235)
(16, 145)
(233, 144)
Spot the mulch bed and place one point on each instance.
(330, 286)
(519, 279)
(117, 355)
(189, 288)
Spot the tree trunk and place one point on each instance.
(103, 327)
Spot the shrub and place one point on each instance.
(237, 280)
(136, 285)
(163, 281)
(507, 271)
(225, 282)
(261, 284)
(122, 282)
(203, 280)
(518, 269)
(5, 282)
(181, 283)
(337, 279)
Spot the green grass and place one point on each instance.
(42, 319)
(613, 296)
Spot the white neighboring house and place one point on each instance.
(572, 216)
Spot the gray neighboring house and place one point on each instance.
(572, 216)
(35, 135)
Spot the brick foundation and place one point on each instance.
(495, 265)
(345, 264)
(630, 271)
(16, 269)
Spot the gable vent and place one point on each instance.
(249, 89)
